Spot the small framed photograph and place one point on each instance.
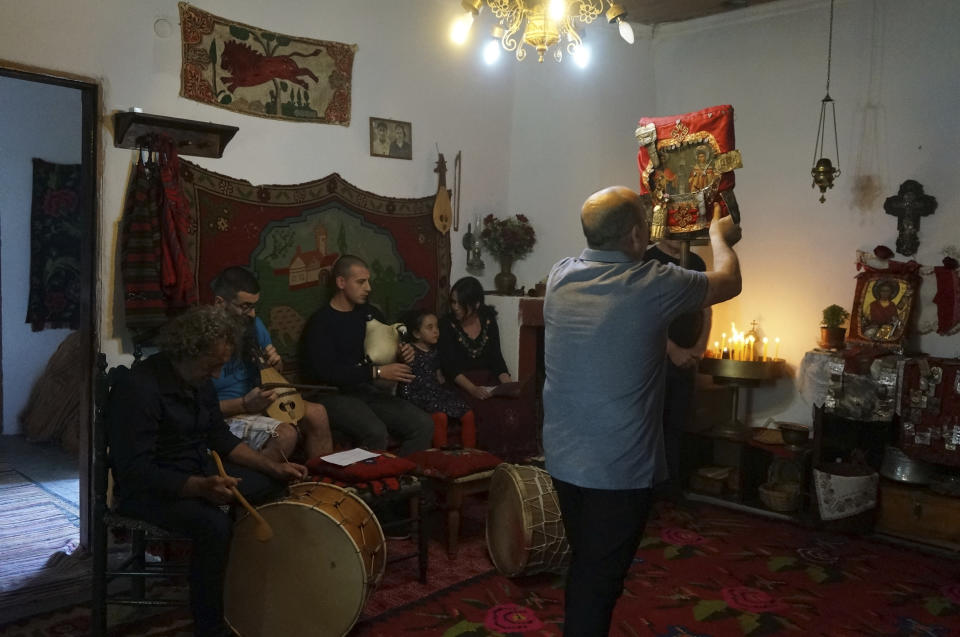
(390, 138)
(882, 306)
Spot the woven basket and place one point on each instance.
(783, 496)
(781, 491)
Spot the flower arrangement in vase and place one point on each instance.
(507, 239)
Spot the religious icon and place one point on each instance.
(882, 306)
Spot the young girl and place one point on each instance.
(427, 390)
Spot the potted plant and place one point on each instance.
(832, 332)
(508, 240)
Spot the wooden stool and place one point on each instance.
(453, 491)
(455, 472)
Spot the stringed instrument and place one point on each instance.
(442, 212)
(287, 405)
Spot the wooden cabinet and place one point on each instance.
(916, 513)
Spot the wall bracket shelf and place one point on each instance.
(201, 139)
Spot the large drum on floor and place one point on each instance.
(524, 528)
(313, 577)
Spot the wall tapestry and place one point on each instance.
(258, 72)
(290, 236)
(55, 240)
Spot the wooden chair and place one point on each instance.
(135, 567)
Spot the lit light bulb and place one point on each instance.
(581, 56)
(557, 9)
(626, 31)
(491, 52)
(461, 28)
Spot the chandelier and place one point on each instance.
(541, 24)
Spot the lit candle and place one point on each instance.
(723, 341)
(765, 341)
(717, 349)
(751, 352)
(776, 349)
(725, 353)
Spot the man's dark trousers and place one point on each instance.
(604, 528)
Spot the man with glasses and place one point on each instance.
(238, 386)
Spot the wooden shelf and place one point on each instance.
(200, 139)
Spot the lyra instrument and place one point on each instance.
(442, 211)
(287, 405)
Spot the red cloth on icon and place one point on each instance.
(710, 129)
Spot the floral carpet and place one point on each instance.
(710, 572)
(702, 571)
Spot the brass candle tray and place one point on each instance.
(733, 370)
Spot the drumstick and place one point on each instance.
(263, 531)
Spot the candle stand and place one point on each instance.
(739, 374)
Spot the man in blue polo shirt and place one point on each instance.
(606, 315)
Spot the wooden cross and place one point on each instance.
(908, 206)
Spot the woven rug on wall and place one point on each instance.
(40, 566)
(56, 219)
(290, 236)
(259, 72)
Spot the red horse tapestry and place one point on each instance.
(259, 72)
(290, 236)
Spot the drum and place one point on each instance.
(313, 577)
(524, 528)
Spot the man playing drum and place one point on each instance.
(163, 417)
(606, 315)
(237, 291)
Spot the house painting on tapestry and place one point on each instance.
(294, 262)
(311, 268)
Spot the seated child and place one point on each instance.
(427, 391)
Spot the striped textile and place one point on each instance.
(39, 567)
(141, 251)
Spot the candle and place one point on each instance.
(776, 349)
(725, 353)
(751, 352)
(723, 341)
(717, 349)
(765, 341)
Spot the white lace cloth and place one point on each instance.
(844, 496)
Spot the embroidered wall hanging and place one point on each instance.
(290, 236)
(258, 72)
(55, 239)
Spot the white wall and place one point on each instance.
(43, 121)
(572, 133)
(893, 76)
(404, 69)
(539, 138)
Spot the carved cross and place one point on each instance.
(908, 206)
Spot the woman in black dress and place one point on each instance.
(471, 359)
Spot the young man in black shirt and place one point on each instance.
(686, 343)
(333, 353)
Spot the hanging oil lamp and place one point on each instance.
(824, 170)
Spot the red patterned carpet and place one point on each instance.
(706, 572)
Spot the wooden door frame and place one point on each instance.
(91, 167)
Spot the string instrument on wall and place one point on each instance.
(442, 212)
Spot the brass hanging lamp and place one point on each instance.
(824, 170)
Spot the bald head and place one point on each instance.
(615, 218)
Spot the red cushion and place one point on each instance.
(448, 464)
(386, 465)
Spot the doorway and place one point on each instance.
(47, 91)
